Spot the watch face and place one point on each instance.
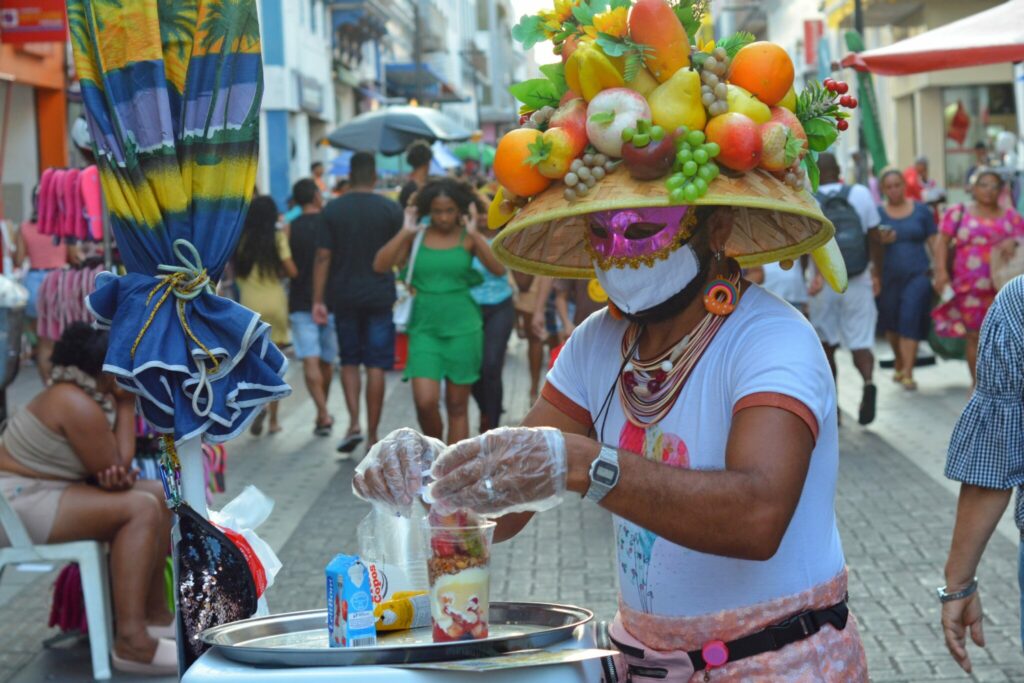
(606, 473)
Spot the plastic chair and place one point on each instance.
(92, 563)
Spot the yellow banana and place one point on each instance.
(829, 261)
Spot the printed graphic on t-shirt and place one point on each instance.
(636, 544)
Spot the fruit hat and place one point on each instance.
(643, 112)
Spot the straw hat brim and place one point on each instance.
(772, 222)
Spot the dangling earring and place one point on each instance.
(720, 297)
(718, 255)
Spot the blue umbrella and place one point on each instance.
(442, 162)
(392, 130)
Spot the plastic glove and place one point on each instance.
(392, 472)
(510, 469)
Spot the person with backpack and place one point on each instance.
(850, 318)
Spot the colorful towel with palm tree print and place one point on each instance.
(172, 92)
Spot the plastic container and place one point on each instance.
(460, 580)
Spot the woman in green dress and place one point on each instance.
(446, 327)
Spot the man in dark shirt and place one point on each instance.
(315, 344)
(418, 156)
(356, 226)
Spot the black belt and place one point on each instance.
(775, 637)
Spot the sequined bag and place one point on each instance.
(216, 583)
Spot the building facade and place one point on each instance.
(298, 98)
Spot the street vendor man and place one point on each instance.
(698, 408)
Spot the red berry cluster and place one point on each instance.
(848, 101)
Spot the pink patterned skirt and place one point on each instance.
(830, 655)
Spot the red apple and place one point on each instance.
(572, 115)
(739, 139)
(789, 120)
(609, 112)
(780, 148)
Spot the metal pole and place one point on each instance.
(417, 42)
(1018, 93)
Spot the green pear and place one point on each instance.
(742, 101)
(676, 102)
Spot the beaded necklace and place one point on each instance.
(648, 389)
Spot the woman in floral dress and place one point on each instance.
(973, 230)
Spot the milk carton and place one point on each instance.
(350, 618)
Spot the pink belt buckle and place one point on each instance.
(715, 653)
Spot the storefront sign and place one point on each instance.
(311, 95)
(32, 21)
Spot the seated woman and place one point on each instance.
(67, 474)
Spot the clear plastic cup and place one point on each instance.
(459, 571)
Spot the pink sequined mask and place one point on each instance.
(629, 237)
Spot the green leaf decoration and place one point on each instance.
(794, 145)
(540, 149)
(585, 11)
(529, 31)
(536, 93)
(634, 60)
(611, 46)
(820, 134)
(697, 59)
(689, 13)
(810, 164)
(556, 74)
(736, 42)
(604, 118)
(616, 4)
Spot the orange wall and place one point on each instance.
(41, 65)
(37, 64)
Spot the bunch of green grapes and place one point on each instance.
(693, 169)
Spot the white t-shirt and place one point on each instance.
(864, 204)
(764, 354)
(789, 285)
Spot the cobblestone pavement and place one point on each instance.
(895, 511)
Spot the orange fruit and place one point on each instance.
(510, 167)
(764, 69)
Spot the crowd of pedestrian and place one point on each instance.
(915, 273)
(325, 276)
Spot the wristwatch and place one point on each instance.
(958, 595)
(604, 474)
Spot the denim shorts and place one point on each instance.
(33, 281)
(367, 337)
(311, 340)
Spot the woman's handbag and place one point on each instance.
(402, 312)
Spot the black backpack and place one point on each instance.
(850, 235)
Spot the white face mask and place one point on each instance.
(638, 289)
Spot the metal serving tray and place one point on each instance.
(300, 638)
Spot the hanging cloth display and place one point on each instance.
(175, 130)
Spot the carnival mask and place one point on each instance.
(628, 238)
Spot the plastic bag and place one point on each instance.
(238, 519)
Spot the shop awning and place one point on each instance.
(995, 36)
(402, 82)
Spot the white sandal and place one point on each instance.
(164, 662)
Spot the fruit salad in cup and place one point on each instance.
(460, 576)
